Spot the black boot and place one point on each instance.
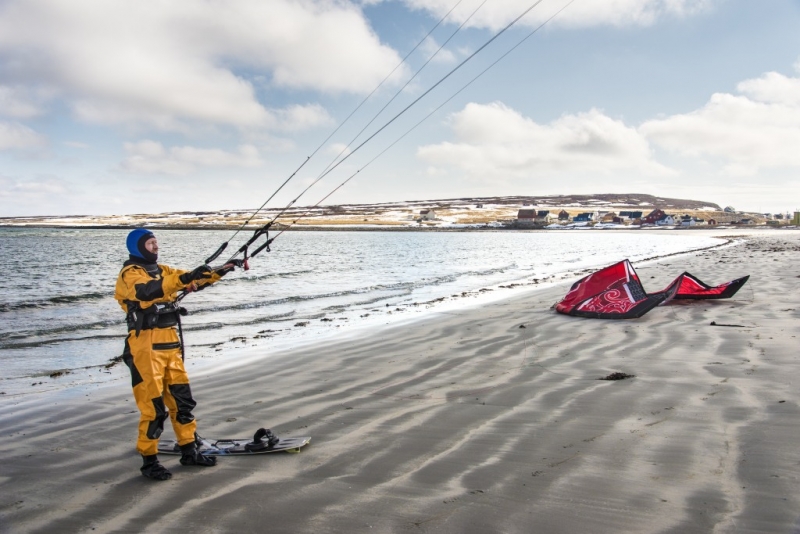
(152, 469)
(191, 456)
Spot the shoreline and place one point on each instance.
(488, 419)
(48, 381)
(399, 228)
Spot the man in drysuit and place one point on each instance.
(148, 292)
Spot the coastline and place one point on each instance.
(400, 228)
(472, 212)
(480, 419)
(250, 346)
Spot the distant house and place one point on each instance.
(688, 221)
(526, 217)
(608, 217)
(584, 217)
(563, 215)
(666, 220)
(655, 215)
(747, 221)
(427, 215)
(544, 216)
(712, 222)
(532, 216)
(630, 215)
(478, 205)
(729, 209)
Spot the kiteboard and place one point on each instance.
(263, 441)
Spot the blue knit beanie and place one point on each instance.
(135, 242)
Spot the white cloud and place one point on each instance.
(756, 130)
(18, 136)
(76, 144)
(338, 149)
(297, 118)
(31, 192)
(21, 102)
(436, 171)
(171, 63)
(48, 186)
(277, 145)
(151, 157)
(496, 141)
(747, 142)
(430, 47)
(773, 88)
(496, 15)
(48, 194)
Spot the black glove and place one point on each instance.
(225, 269)
(228, 267)
(201, 273)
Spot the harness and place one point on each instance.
(160, 315)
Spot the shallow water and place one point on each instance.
(57, 310)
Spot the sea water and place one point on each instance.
(58, 315)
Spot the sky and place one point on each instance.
(112, 107)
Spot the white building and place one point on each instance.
(427, 215)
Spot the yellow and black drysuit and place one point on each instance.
(147, 292)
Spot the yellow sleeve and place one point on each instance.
(134, 284)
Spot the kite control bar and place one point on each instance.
(264, 230)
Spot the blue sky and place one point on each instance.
(113, 107)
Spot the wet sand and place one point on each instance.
(487, 419)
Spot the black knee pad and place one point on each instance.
(182, 394)
(156, 427)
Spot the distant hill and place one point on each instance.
(610, 200)
(447, 213)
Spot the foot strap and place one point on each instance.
(263, 439)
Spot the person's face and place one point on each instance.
(151, 245)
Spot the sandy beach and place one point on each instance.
(485, 419)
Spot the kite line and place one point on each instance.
(244, 249)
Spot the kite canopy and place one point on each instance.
(616, 292)
(611, 293)
(691, 287)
